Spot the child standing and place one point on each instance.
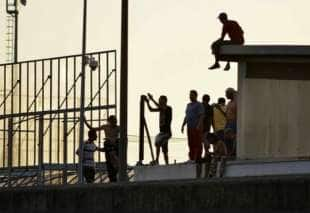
(88, 156)
(112, 131)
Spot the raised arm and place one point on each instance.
(152, 99)
(149, 105)
(102, 127)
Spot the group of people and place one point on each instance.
(112, 131)
(199, 118)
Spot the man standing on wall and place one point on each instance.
(194, 115)
(231, 116)
(235, 33)
(165, 117)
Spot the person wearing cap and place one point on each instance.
(235, 33)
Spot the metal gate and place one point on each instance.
(39, 120)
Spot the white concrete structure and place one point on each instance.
(274, 104)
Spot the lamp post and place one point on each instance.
(12, 10)
(124, 93)
(82, 102)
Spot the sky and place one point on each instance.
(168, 41)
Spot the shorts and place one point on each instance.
(220, 134)
(161, 140)
(89, 174)
(231, 125)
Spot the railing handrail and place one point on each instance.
(57, 58)
(48, 112)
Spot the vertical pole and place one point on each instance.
(141, 130)
(80, 175)
(4, 112)
(115, 82)
(16, 35)
(149, 139)
(27, 122)
(65, 148)
(124, 93)
(50, 116)
(19, 110)
(108, 85)
(40, 148)
(74, 113)
(10, 150)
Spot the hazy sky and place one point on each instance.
(169, 40)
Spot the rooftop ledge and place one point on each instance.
(264, 52)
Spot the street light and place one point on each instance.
(82, 102)
(12, 10)
(124, 94)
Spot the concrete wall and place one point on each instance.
(255, 195)
(166, 172)
(274, 110)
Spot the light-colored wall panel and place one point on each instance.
(274, 118)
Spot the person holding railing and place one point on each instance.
(165, 117)
(112, 131)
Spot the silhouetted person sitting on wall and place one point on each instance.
(88, 156)
(111, 141)
(235, 33)
(165, 117)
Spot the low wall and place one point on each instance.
(242, 195)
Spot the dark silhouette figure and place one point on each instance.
(235, 33)
(112, 131)
(194, 116)
(165, 117)
(88, 156)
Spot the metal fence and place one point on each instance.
(39, 120)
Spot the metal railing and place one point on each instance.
(40, 110)
(143, 128)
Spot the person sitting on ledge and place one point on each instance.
(235, 33)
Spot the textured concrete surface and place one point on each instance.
(249, 52)
(246, 195)
(165, 172)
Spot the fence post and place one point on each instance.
(41, 138)
(10, 150)
(141, 130)
(65, 148)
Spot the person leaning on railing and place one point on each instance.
(112, 131)
(88, 156)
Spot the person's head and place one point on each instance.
(206, 99)
(212, 138)
(223, 17)
(92, 135)
(163, 100)
(230, 93)
(221, 101)
(193, 95)
(112, 120)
